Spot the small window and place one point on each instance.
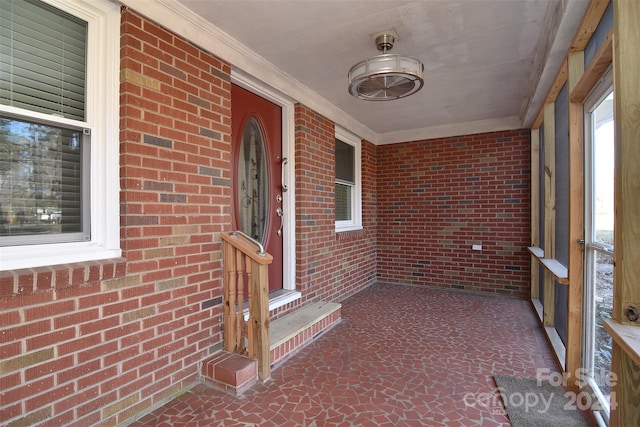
(58, 132)
(348, 192)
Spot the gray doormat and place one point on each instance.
(530, 403)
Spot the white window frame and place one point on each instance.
(356, 191)
(602, 89)
(102, 111)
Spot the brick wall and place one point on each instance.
(330, 266)
(438, 197)
(102, 341)
(99, 342)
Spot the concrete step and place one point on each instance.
(293, 331)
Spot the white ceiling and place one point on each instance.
(488, 63)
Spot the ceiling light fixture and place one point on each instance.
(385, 77)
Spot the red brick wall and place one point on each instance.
(438, 197)
(100, 342)
(103, 341)
(330, 266)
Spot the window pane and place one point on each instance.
(602, 343)
(253, 182)
(603, 166)
(345, 162)
(343, 202)
(40, 181)
(42, 59)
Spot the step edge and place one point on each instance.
(325, 309)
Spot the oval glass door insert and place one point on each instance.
(253, 187)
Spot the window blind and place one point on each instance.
(344, 162)
(42, 59)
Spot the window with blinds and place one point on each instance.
(345, 181)
(44, 139)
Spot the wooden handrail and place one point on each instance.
(243, 264)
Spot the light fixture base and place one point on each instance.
(385, 42)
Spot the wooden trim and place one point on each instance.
(247, 248)
(557, 270)
(576, 218)
(258, 324)
(557, 345)
(601, 61)
(589, 24)
(587, 27)
(536, 252)
(537, 305)
(627, 337)
(537, 123)
(535, 209)
(626, 270)
(560, 80)
(549, 209)
(627, 161)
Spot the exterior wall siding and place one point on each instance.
(436, 198)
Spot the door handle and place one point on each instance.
(280, 213)
(285, 187)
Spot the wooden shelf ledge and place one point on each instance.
(536, 251)
(557, 270)
(626, 336)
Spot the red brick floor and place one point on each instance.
(401, 356)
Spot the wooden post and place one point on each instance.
(576, 218)
(259, 321)
(549, 209)
(535, 211)
(626, 295)
(239, 298)
(229, 294)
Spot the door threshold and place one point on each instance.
(277, 299)
(281, 297)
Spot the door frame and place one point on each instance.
(600, 90)
(289, 292)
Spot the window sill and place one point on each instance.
(34, 256)
(31, 280)
(626, 336)
(351, 234)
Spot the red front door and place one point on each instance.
(257, 174)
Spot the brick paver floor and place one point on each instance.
(401, 356)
